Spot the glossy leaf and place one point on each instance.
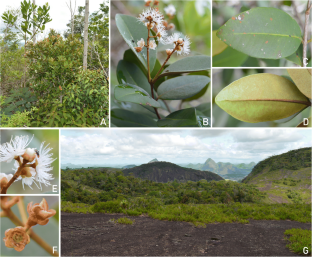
(125, 118)
(132, 31)
(182, 87)
(261, 97)
(187, 65)
(262, 33)
(130, 73)
(229, 58)
(181, 118)
(303, 80)
(218, 46)
(134, 94)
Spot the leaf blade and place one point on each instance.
(182, 87)
(262, 32)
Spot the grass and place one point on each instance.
(299, 239)
(125, 221)
(76, 207)
(203, 213)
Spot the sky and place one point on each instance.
(59, 11)
(129, 146)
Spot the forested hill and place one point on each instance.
(166, 171)
(291, 161)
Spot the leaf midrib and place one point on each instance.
(267, 34)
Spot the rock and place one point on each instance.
(215, 238)
(187, 235)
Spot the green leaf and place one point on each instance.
(187, 65)
(125, 118)
(132, 31)
(296, 57)
(134, 94)
(130, 73)
(182, 118)
(229, 58)
(303, 80)
(262, 32)
(217, 45)
(182, 87)
(261, 97)
(204, 108)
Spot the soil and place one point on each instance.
(96, 235)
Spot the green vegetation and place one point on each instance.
(125, 221)
(292, 160)
(299, 238)
(198, 202)
(111, 187)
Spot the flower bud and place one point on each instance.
(39, 213)
(171, 26)
(16, 238)
(29, 154)
(180, 41)
(138, 49)
(169, 51)
(4, 179)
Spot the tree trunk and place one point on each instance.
(34, 28)
(86, 25)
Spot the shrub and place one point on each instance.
(299, 238)
(107, 207)
(125, 221)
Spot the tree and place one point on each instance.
(72, 16)
(85, 43)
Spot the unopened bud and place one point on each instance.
(29, 155)
(171, 26)
(180, 41)
(169, 51)
(138, 49)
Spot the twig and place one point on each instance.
(21, 208)
(305, 36)
(16, 175)
(297, 14)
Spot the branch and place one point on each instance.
(305, 36)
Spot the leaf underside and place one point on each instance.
(262, 32)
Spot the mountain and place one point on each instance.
(154, 160)
(166, 171)
(129, 166)
(285, 177)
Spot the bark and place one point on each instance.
(34, 28)
(85, 33)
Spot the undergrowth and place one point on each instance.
(300, 240)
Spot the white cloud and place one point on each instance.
(128, 146)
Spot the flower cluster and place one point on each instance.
(154, 20)
(18, 237)
(181, 44)
(31, 165)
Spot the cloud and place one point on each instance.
(128, 146)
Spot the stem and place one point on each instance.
(8, 213)
(305, 36)
(158, 73)
(16, 175)
(21, 208)
(168, 108)
(148, 64)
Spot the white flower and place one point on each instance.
(16, 147)
(43, 163)
(141, 43)
(152, 44)
(5, 178)
(161, 33)
(170, 10)
(181, 43)
(28, 177)
(151, 17)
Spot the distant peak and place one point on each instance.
(154, 160)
